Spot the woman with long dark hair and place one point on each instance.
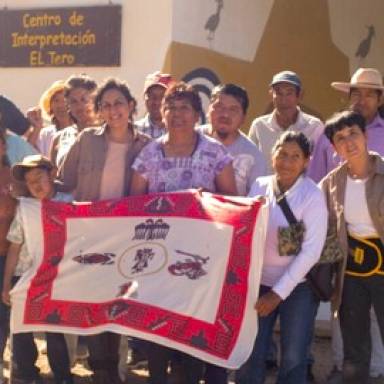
(98, 167)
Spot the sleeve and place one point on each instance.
(319, 166)
(324, 185)
(143, 161)
(252, 134)
(16, 232)
(43, 142)
(318, 128)
(18, 148)
(68, 171)
(223, 159)
(315, 219)
(258, 169)
(12, 117)
(256, 189)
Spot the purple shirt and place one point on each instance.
(167, 174)
(325, 159)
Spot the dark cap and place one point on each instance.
(286, 77)
(30, 162)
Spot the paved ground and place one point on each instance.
(321, 351)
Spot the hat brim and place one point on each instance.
(346, 87)
(285, 81)
(154, 85)
(18, 170)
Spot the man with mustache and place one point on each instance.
(226, 114)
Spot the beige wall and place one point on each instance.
(253, 40)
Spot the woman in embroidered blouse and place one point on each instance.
(183, 158)
(284, 291)
(355, 197)
(179, 160)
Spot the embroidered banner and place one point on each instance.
(179, 269)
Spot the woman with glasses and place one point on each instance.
(98, 167)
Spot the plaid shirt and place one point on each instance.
(146, 126)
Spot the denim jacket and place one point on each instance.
(82, 168)
(334, 186)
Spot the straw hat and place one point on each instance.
(362, 78)
(30, 162)
(45, 99)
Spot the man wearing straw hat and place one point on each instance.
(365, 92)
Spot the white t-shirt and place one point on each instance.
(357, 217)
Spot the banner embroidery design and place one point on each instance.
(151, 248)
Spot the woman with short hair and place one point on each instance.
(355, 197)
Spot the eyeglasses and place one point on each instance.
(115, 105)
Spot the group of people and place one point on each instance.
(93, 149)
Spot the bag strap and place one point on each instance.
(283, 203)
(281, 200)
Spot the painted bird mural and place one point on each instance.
(214, 20)
(365, 44)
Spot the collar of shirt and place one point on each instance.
(272, 122)
(291, 190)
(377, 122)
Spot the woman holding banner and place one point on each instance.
(295, 237)
(179, 160)
(98, 167)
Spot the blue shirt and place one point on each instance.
(17, 148)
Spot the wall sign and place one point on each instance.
(61, 37)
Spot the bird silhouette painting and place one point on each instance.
(214, 21)
(365, 44)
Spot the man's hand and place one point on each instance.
(267, 303)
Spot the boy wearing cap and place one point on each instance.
(286, 92)
(154, 88)
(37, 172)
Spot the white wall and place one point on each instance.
(146, 34)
